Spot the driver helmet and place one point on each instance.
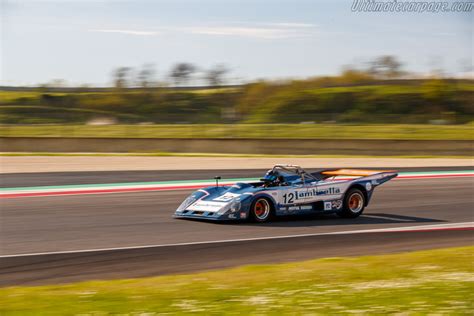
(270, 176)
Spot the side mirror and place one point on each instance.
(217, 180)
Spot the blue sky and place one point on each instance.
(83, 41)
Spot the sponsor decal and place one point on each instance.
(293, 196)
(226, 197)
(232, 216)
(326, 191)
(300, 208)
(368, 186)
(206, 206)
(336, 204)
(296, 208)
(327, 206)
(243, 215)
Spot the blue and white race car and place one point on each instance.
(287, 190)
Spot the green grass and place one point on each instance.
(418, 283)
(59, 109)
(36, 94)
(219, 155)
(321, 131)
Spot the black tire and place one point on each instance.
(354, 204)
(261, 210)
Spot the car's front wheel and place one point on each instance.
(354, 204)
(261, 210)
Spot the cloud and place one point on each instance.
(270, 31)
(293, 25)
(129, 32)
(240, 31)
(258, 30)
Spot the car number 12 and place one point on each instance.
(288, 198)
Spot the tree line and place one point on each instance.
(181, 74)
(376, 92)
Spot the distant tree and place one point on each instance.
(145, 75)
(215, 75)
(386, 67)
(55, 83)
(352, 75)
(121, 77)
(181, 73)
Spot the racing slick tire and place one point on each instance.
(354, 204)
(261, 210)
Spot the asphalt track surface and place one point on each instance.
(85, 222)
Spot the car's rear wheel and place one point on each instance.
(261, 210)
(354, 204)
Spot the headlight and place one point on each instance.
(186, 203)
(235, 205)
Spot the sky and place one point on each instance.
(82, 42)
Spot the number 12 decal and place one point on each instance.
(288, 198)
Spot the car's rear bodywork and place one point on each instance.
(297, 192)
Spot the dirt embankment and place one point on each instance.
(19, 164)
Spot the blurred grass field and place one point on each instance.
(426, 282)
(340, 99)
(293, 131)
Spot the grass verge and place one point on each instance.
(170, 154)
(293, 131)
(435, 281)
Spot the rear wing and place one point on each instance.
(376, 176)
(354, 172)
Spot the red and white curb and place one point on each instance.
(8, 193)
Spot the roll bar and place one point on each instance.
(295, 169)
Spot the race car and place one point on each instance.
(286, 190)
